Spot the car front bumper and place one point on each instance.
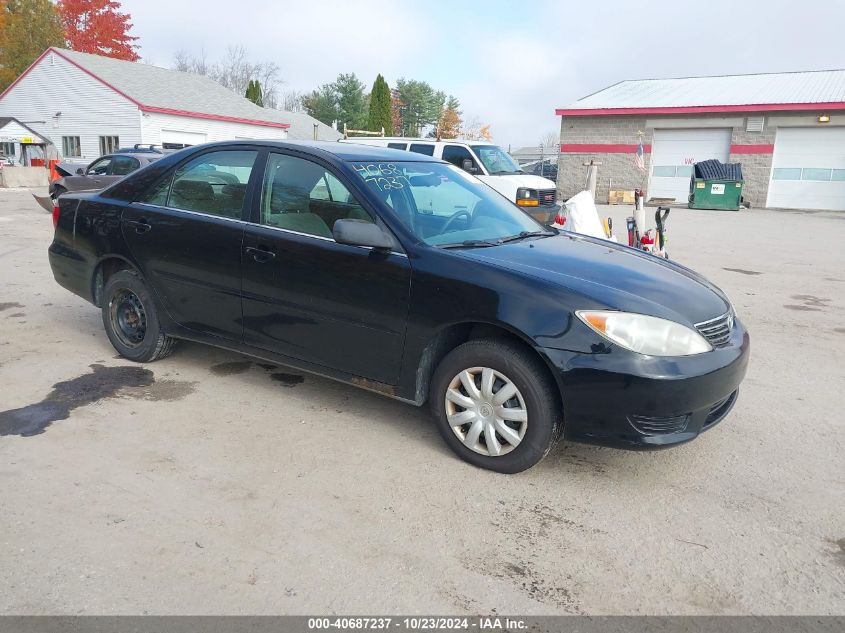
(628, 400)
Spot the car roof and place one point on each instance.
(346, 152)
(408, 139)
(139, 155)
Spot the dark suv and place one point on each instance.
(405, 275)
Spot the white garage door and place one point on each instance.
(808, 169)
(177, 139)
(673, 154)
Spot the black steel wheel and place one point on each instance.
(131, 320)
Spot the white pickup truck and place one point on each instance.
(487, 162)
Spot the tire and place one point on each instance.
(536, 397)
(131, 320)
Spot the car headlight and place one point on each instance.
(526, 197)
(645, 334)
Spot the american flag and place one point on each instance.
(638, 157)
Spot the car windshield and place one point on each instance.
(496, 160)
(444, 206)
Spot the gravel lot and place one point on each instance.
(211, 484)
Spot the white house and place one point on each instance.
(89, 105)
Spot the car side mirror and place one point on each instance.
(468, 166)
(80, 171)
(361, 233)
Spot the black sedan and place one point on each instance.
(404, 275)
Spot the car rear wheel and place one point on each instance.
(131, 321)
(495, 405)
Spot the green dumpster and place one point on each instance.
(715, 194)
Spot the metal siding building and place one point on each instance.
(787, 130)
(78, 100)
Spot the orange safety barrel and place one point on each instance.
(54, 175)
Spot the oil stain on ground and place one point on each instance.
(288, 380)
(66, 396)
(810, 303)
(238, 367)
(6, 306)
(742, 271)
(231, 368)
(102, 383)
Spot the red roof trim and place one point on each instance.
(145, 108)
(601, 148)
(752, 149)
(214, 117)
(759, 107)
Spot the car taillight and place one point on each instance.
(560, 219)
(55, 215)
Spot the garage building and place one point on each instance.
(787, 130)
(89, 105)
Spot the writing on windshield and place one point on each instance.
(383, 176)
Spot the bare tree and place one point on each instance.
(235, 71)
(550, 139)
(292, 100)
(186, 62)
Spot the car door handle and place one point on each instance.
(261, 255)
(141, 226)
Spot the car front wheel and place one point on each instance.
(131, 321)
(495, 405)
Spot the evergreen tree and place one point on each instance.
(381, 115)
(351, 102)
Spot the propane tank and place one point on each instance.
(639, 210)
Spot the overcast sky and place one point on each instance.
(510, 63)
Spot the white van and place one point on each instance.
(486, 161)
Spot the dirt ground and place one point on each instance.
(208, 484)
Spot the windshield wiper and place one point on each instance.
(470, 244)
(524, 234)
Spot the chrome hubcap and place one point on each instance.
(486, 411)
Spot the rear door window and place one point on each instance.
(397, 145)
(122, 165)
(423, 148)
(213, 183)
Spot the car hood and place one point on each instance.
(611, 276)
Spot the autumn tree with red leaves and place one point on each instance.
(98, 27)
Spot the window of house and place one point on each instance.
(7, 149)
(304, 197)
(71, 146)
(109, 144)
(663, 171)
(815, 174)
(786, 173)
